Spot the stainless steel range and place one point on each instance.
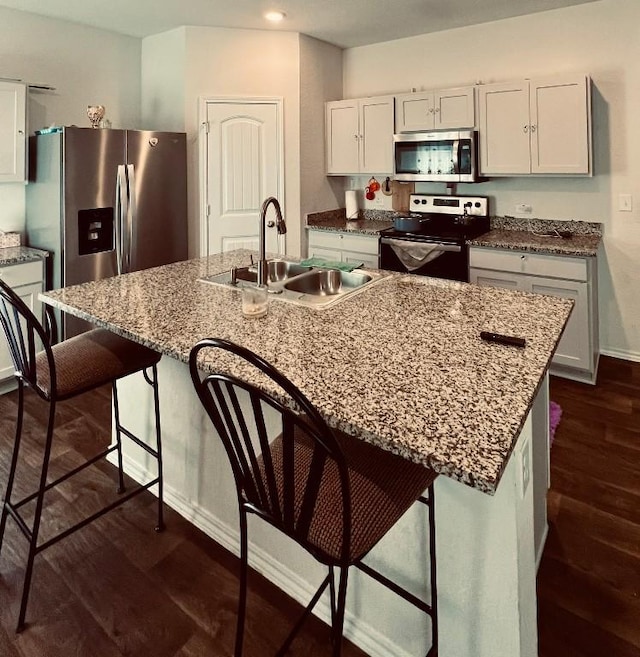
(431, 239)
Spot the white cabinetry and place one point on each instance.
(561, 276)
(342, 247)
(26, 279)
(539, 126)
(435, 110)
(12, 131)
(359, 136)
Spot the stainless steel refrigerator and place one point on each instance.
(105, 202)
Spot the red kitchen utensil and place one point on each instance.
(374, 185)
(369, 194)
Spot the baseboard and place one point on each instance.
(365, 636)
(622, 354)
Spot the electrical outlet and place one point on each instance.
(378, 201)
(523, 208)
(625, 202)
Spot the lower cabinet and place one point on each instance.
(561, 276)
(343, 247)
(26, 279)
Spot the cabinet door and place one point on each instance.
(414, 112)
(504, 128)
(367, 260)
(342, 137)
(29, 294)
(12, 131)
(454, 108)
(376, 135)
(560, 126)
(574, 349)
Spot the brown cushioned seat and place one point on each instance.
(90, 360)
(383, 487)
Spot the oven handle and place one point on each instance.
(439, 245)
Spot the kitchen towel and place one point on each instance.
(351, 203)
(412, 255)
(331, 264)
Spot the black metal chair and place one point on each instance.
(335, 495)
(58, 372)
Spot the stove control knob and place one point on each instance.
(416, 201)
(424, 201)
(478, 204)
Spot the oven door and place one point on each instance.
(439, 259)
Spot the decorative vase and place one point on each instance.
(95, 114)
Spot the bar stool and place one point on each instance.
(58, 372)
(335, 495)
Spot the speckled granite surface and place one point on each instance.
(506, 232)
(584, 245)
(12, 255)
(336, 220)
(399, 364)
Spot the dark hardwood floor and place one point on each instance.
(116, 588)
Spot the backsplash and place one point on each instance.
(9, 239)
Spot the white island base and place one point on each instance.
(486, 545)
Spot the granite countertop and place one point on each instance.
(399, 363)
(13, 255)
(369, 223)
(522, 240)
(506, 232)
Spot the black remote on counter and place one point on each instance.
(508, 340)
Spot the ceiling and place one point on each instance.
(345, 23)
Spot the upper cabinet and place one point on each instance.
(435, 110)
(359, 136)
(538, 126)
(12, 131)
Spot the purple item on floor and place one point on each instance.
(555, 414)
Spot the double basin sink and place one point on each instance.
(290, 281)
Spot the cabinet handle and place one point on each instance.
(355, 137)
(525, 129)
(21, 132)
(431, 110)
(533, 127)
(436, 110)
(360, 137)
(523, 257)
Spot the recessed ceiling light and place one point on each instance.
(275, 16)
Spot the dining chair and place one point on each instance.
(334, 494)
(57, 373)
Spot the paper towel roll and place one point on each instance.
(351, 204)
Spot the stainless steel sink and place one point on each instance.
(327, 282)
(305, 286)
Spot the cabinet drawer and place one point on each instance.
(22, 274)
(360, 243)
(536, 264)
(324, 238)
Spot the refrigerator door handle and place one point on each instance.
(131, 212)
(121, 209)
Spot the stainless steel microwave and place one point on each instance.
(436, 156)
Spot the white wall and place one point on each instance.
(601, 39)
(86, 66)
(320, 81)
(184, 65)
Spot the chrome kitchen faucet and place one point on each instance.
(281, 228)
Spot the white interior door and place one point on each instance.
(243, 164)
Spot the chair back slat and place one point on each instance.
(25, 338)
(282, 461)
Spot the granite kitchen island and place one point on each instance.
(400, 364)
